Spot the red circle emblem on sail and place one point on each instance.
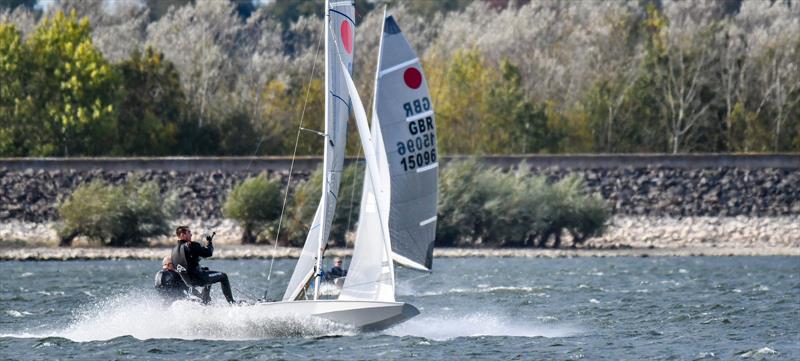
(413, 78)
(347, 37)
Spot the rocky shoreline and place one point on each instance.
(32, 195)
(626, 236)
(263, 252)
(661, 205)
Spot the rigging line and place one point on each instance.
(291, 166)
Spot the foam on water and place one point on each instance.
(143, 316)
(761, 353)
(441, 328)
(15, 313)
(537, 291)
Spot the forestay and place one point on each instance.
(339, 44)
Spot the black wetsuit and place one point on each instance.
(170, 285)
(186, 256)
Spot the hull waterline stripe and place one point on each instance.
(399, 66)
(419, 116)
(427, 168)
(429, 220)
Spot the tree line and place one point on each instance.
(99, 77)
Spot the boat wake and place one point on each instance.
(441, 328)
(143, 316)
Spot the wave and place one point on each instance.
(537, 291)
(442, 328)
(17, 314)
(761, 353)
(144, 316)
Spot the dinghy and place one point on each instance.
(397, 222)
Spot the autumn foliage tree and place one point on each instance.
(505, 76)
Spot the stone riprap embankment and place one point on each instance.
(658, 202)
(645, 185)
(259, 252)
(32, 195)
(626, 236)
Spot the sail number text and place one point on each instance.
(419, 149)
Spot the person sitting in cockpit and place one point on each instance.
(336, 271)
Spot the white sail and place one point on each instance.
(339, 46)
(377, 191)
(370, 273)
(406, 123)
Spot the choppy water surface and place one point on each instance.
(477, 308)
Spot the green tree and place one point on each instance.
(15, 129)
(517, 124)
(459, 95)
(151, 107)
(255, 203)
(73, 89)
(284, 104)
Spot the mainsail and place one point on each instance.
(339, 45)
(404, 145)
(404, 118)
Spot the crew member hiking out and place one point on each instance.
(168, 282)
(186, 256)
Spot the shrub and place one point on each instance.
(255, 203)
(485, 206)
(568, 208)
(466, 190)
(306, 200)
(478, 205)
(119, 216)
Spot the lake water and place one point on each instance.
(672, 308)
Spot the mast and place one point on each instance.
(325, 169)
(337, 108)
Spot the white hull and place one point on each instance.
(364, 315)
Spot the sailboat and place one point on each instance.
(397, 221)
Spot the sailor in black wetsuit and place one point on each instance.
(186, 256)
(169, 283)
